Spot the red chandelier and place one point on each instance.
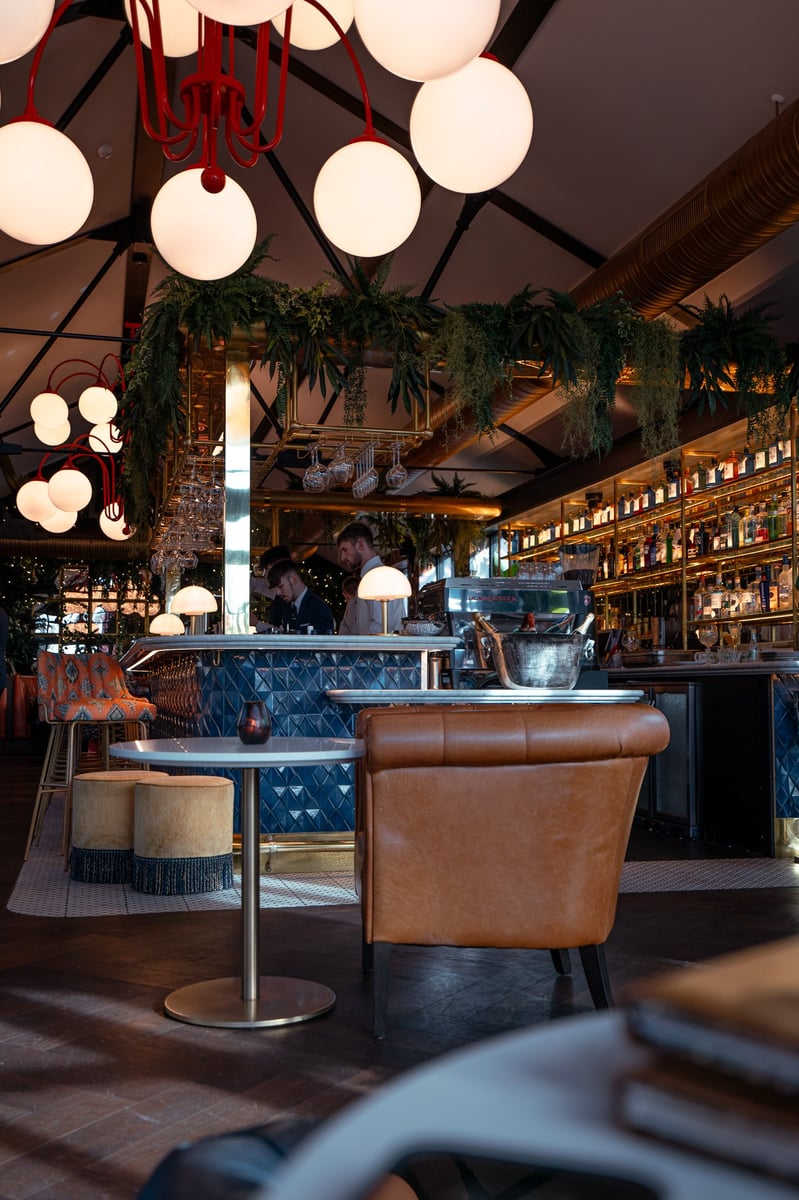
(470, 127)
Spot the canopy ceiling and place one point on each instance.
(635, 103)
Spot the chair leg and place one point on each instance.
(381, 952)
(561, 961)
(48, 783)
(74, 733)
(596, 974)
(367, 954)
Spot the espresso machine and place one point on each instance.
(556, 604)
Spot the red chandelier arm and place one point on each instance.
(31, 112)
(187, 129)
(79, 450)
(367, 106)
(96, 372)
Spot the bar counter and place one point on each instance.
(731, 771)
(198, 684)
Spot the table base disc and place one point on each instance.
(218, 1002)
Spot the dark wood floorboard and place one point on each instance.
(97, 1085)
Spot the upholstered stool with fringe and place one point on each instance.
(102, 825)
(182, 835)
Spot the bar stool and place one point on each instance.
(102, 824)
(182, 835)
(76, 692)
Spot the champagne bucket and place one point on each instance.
(536, 660)
(542, 660)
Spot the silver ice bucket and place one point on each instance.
(541, 660)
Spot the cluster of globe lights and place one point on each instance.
(470, 124)
(54, 503)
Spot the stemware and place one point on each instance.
(708, 635)
(315, 478)
(396, 475)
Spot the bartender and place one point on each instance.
(296, 607)
(356, 552)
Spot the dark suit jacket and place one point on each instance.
(313, 611)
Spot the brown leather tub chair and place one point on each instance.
(497, 825)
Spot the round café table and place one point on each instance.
(254, 1000)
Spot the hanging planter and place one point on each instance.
(656, 396)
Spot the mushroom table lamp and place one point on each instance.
(194, 602)
(165, 623)
(384, 584)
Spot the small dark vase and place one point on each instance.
(254, 723)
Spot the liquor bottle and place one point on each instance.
(669, 547)
(785, 585)
(744, 598)
(715, 473)
(771, 518)
(733, 529)
(755, 592)
(764, 585)
(717, 596)
(761, 458)
(698, 600)
(783, 512)
(746, 462)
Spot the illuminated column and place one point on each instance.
(237, 487)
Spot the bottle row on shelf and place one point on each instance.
(698, 481)
(769, 588)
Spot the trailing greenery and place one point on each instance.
(657, 395)
(327, 331)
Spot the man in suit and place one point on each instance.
(357, 553)
(295, 607)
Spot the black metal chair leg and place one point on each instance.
(367, 954)
(381, 957)
(596, 974)
(561, 961)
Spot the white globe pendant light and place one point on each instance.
(97, 404)
(105, 439)
(367, 198)
(179, 30)
(53, 435)
(22, 26)
(46, 187)
(425, 39)
(239, 12)
(33, 500)
(114, 526)
(69, 489)
(309, 29)
(205, 235)
(59, 522)
(471, 130)
(48, 408)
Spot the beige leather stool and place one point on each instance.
(102, 825)
(182, 835)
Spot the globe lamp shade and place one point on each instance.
(471, 130)
(114, 526)
(49, 409)
(367, 198)
(309, 29)
(105, 439)
(33, 500)
(97, 404)
(239, 12)
(205, 235)
(384, 584)
(53, 435)
(425, 39)
(69, 489)
(179, 28)
(193, 601)
(22, 26)
(59, 522)
(167, 622)
(46, 187)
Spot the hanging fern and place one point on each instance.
(657, 392)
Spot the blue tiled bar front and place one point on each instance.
(199, 683)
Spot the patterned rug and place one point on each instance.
(44, 888)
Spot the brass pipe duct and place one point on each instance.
(453, 506)
(747, 200)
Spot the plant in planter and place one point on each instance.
(654, 357)
(726, 353)
(608, 328)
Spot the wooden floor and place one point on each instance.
(97, 1085)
